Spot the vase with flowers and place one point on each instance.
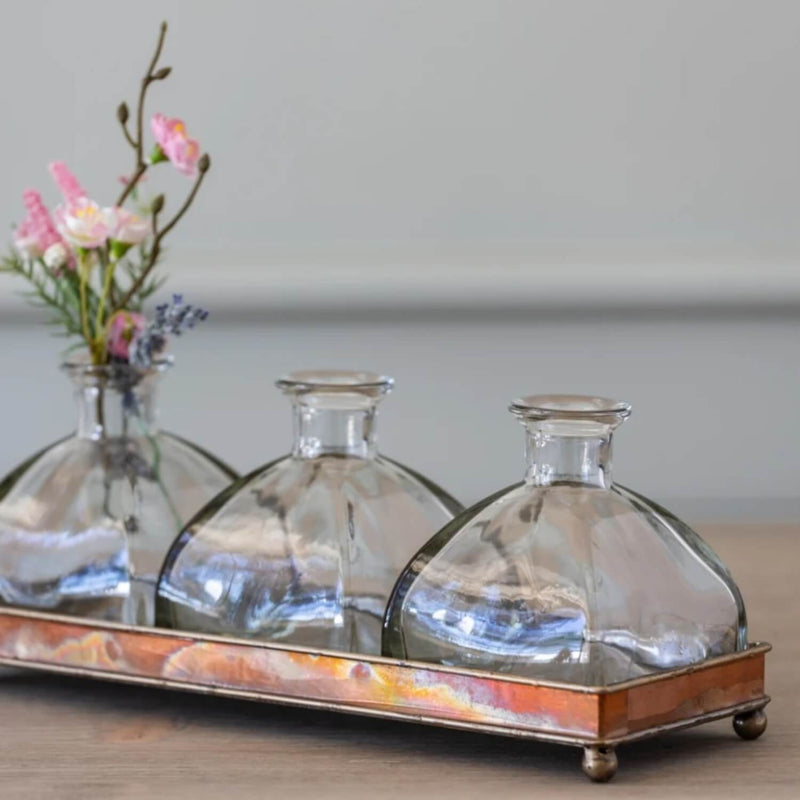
(85, 523)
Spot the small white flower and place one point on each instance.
(27, 246)
(55, 256)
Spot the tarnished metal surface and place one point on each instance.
(750, 725)
(384, 687)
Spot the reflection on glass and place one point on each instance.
(306, 549)
(566, 576)
(86, 523)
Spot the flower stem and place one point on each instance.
(99, 328)
(83, 258)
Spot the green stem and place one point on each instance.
(84, 276)
(100, 344)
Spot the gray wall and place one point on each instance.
(482, 198)
(714, 431)
(432, 125)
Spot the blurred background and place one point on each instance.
(482, 198)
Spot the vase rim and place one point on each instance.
(81, 367)
(335, 381)
(570, 407)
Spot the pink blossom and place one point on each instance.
(127, 227)
(67, 183)
(36, 232)
(124, 326)
(84, 224)
(175, 144)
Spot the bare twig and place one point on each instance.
(132, 181)
(203, 166)
(122, 116)
(127, 135)
(146, 81)
(141, 166)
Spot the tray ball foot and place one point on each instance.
(599, 763)
(751, 724)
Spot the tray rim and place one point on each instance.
(575, 740)
(571, 714)
(752, 649)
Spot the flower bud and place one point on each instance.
(204, 163)
(122, 112)
(162, 73)
(158, 204)
(55, 256)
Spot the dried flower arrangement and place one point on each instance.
(93, 267)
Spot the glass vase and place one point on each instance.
(306, 549)
(85, 524)
(566, 576)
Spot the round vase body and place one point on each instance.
(566, 576)
(306, 549)
(85, 524)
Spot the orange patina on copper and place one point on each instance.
(384, 687)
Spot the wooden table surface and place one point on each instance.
(64, 738)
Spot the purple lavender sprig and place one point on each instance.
(171, 319)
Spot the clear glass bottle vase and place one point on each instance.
(566, 576)
(85, 524)
(306, 549)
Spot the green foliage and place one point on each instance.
(59, 294)
(56, 294)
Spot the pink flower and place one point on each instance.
(36, 232)
(67, 183)
(127, 227)
(174, 144)
(84, 224)
(124, 326)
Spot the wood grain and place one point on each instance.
(72, 738)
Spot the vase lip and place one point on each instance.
(335, 381)
(81, 367)
(575, 407)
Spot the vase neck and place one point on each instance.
(334, 412)
(568, 438)
(114, 402)
(325, 431)
(572, 459)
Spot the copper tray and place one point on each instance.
(594, 718)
